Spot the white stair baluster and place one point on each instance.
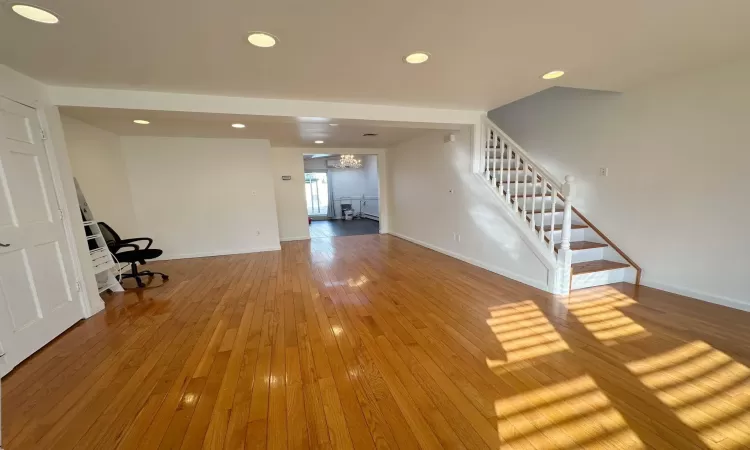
(486, 138)
(552, 221)
(525, 186)
(494, 159)
(509, 155)
(568, 191)
(500, 186)
(565, 255)
(541, 210)
(533, 197)
(517, 161)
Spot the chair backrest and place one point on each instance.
(110, 236)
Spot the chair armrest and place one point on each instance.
(131, 240)
(123, 245)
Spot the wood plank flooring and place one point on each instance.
(373, 342)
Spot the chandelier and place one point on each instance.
(348, 162)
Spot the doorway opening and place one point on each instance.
(342, 194)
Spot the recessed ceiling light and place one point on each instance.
(320, 142)
(35, 13)
(552, 75)
(333, 124)
(417, 58)
(141, 122)
(238, 125)
(261, 39)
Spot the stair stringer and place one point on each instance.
(558, 279)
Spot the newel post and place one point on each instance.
(565, 255)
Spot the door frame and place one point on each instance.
(49, 150)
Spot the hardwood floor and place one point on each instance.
(374, 342)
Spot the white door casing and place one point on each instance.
(37, 279)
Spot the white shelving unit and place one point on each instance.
(106, 268)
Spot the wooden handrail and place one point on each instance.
(613, 245)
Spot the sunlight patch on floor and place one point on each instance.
(524, 332)
(571, 414)
(707, 390)
(603, 319)
(362, 280)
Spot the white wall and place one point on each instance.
(98, 165)
(434, 194)
(370, 165)
(201, 197)
(675, 199)
(291, 207)
(26, 90)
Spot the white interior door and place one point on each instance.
(36, 273)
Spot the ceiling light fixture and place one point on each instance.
(417, 58)
(238, 125)
(320, 142)
(348, 162)
(35, 13)
(333, 124)
(552, 75)
(262, 39)
(141, 122)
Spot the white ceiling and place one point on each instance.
(485, 53)
(281, 131)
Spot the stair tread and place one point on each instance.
(558, 227)
(600, 265)
(583, 245)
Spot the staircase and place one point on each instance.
(576, 252)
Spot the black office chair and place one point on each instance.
(115, 244)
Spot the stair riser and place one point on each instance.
(581, 234)
(532, 204)
(510, 175)
(585, 280)
(591, 254)
(575, 235)
(548, 216)
(519, 189)
(510, 168)
(496, 165)
(611, 254)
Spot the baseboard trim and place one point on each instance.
(474, 262)
(221, 253)
(298, 238)
(704, 296)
